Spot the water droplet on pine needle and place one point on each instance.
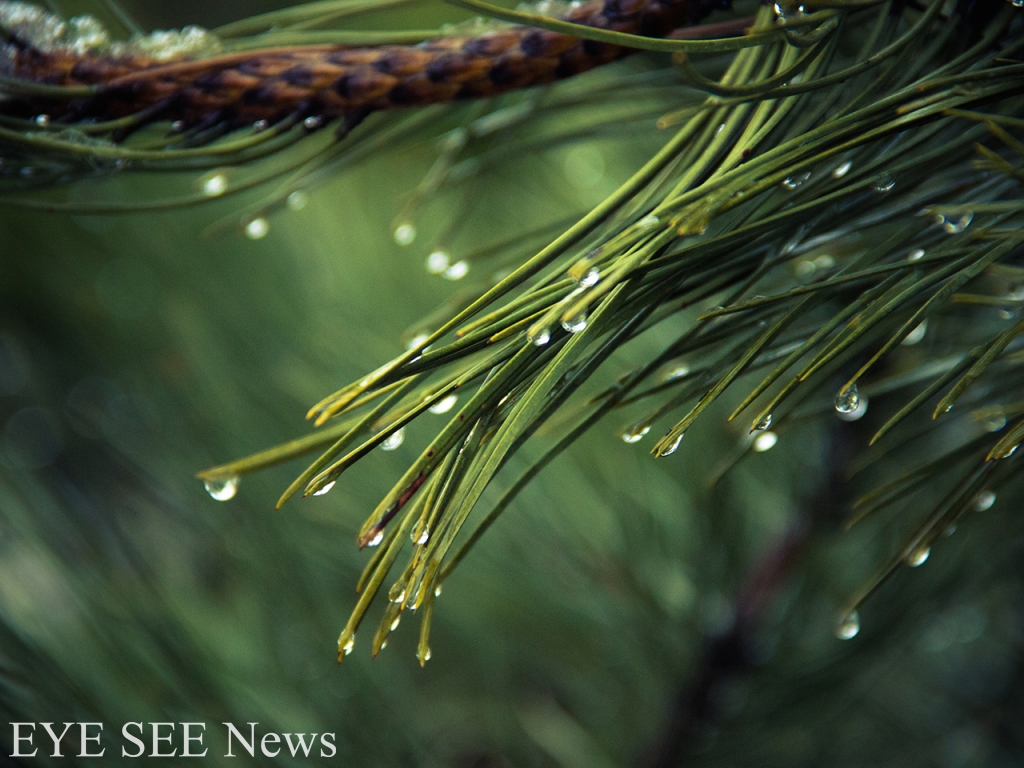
(916, 255)
(885, 183)
(577, 322)
(298, 200)
(672, 447)
(41, 120)
(842, 170)
(916, 335)
(792, 182)
(635, 433)
(765, 441)
(326, 489)
(437, 262)
(376, 539)
(257, 228)
(423, 538)
(405, 233)
(847, 399)
(312, 122)
(649, 222)
(395, 623)
(349, 645)
(456, 271)
(954, 225)
(984, 500)
(260, 125)
(676, 372)
(222, 488)
(849, 626)
(416, 340)
(444, 405)
(393, 440)
(590, 278)
(764, 423)
(538, 336)
(214, 185)
(919, 556)
(437, 590)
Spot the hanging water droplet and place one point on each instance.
(984, 500)
(849, 626)
(1007, 453)
(298, 199)
(325, 489)
(383, 645)
(672, 447)
(395, 623)
(257, 228)
(426, 655)
(765, 441)
(847, 399)
(41, 120)
(437, 262)
(456, 271)
(590, 278)
(792, 182)
(764, 423)
(648, 222)
(676, 372)
(377, 539)
(916, 335)
(260, 125)
(916, 255)
(444, 405)
(222, 488)
(538, 336)
(423, 538)
(635, 433)
(349, 645)
(780, 14)
(885, 183)
(417, 340)
(842, 170)
(994, 424)
(856, 413)
(954, 225)
(919, 556)
(398, 598)
(214, 185)
(577, 322)
(312, 122)
(405, 233)
(437, 590)
(393, 440)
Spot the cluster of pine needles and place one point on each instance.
(838, 183)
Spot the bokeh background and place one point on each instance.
(619, 603)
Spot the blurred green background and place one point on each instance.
(138, 349)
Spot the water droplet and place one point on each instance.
(384, 645)
(590, 278)
(437, 590)
(916, 255)
(676, 372)
(805, 268)
(780, 14)
(765, 441)
(842, 170)
(847, 400)
(399, 597)
(984, 500)
(312, 122)
(849, 626)
(538, 336)
(792, 182)
(416, 340)
(423, 538)
(577, 322)
(764, 423)
(178, 126)
(349, 645)
(376, 539)
(426, 655)
(325, 489)
(916, 335)
(994, 424)
(257, 228)
(672, 447)
(954, 225)
(456, 271)
(1007, 453)
(444, 405)
(635, 433)
(918, 556)
(950, 530)
(260, 125)
(393, 440)
(41, 120)
(648, 222)
(215, 185)
(1017, 3)
(885, 183)
(405, 234)
(298, 199)
(222, 488)
(438, 262)
(856, 413)
(395, 623)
